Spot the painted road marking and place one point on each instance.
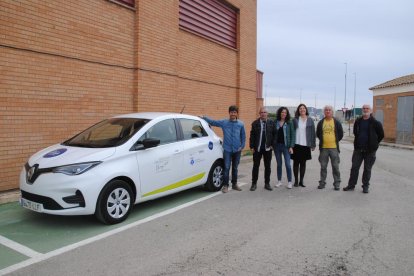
(19, 247)
(42, 257)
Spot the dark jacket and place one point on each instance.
(310, 131)
(339, 132)
(255, 134)
(375, 134)
(288, 132)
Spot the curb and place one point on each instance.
(9, 196)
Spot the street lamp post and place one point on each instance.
(354, 96)
(346, 69)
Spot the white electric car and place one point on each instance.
(121, 161)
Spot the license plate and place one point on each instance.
(34, 206)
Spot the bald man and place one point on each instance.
(368, 133)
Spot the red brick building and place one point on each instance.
(394, 107)
(68, 64)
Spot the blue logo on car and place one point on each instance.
(210, 145)
(54, 153)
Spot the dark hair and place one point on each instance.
(279, 113)
(297, 115)
(233, 108)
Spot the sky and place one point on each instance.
(307, 48)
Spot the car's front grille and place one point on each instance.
(48, 203)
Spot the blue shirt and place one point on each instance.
(234, 133)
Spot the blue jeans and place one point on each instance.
(280, 150)
(231, 159)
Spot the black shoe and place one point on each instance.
(296, 184)
(348, 188)
(336, 188)
(253, 187)
(365, 190)
(301, 184)
(267, 187)
(321, 186)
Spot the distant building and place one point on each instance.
(394, 107)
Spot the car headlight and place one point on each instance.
(76, 169)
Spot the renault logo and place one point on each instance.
(30, 173)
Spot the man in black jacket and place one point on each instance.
(262, 135)
(368, 133)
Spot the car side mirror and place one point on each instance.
(150, 142)
(145, 144)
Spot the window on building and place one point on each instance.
(213, 19)
(130, 3)
(379, 102)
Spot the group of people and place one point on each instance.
(294, 139)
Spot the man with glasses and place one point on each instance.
(329, 132)
(368, 133)
(262, 135)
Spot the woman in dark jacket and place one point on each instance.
(284, 142)
(305, 142)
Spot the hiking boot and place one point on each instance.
(236, 187)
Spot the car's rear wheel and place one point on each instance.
(215, 177)
(115, 202)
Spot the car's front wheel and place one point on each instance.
(115, 202)
(215, 177)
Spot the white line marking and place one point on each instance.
(42, 257)
(19, 247)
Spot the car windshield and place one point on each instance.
(108, 133)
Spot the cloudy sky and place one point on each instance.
(303, 46)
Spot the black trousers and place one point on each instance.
(359, 156)
(267, 157)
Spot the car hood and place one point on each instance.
(59, 155)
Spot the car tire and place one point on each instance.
(215, 177)
(115, 202)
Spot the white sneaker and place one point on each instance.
(289, 185)
(279, 183)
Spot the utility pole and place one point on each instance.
(346, 69)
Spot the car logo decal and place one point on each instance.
(31, 172)
(210, 145)
(54, 153)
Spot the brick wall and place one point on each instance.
(390, 109)
(65, 65)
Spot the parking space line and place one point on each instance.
(38, 257)
(19, 247)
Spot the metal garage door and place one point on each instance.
(405, 120)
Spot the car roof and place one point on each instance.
(153, 115)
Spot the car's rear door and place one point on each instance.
(197, 155)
